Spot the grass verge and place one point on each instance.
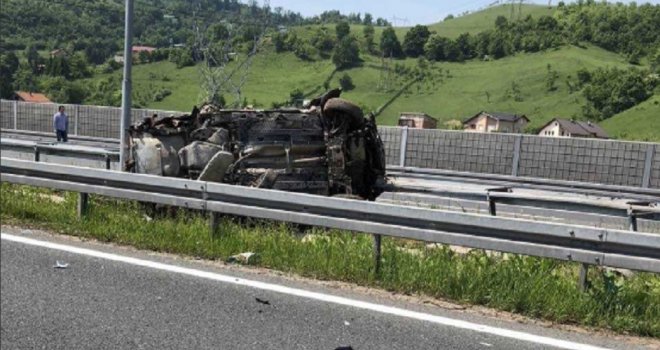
(535, 287)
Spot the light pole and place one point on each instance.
(126, 86)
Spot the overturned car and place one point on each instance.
(329, 149)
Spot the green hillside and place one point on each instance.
(466, 88)
(482, 20)
(641, 122)
(472, 23)
(518, 82)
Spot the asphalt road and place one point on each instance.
(97, 303)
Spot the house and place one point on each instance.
(417, 120)
(33, 97)
(572, 128)
(137, 49)
(58, 53)
(496, 122)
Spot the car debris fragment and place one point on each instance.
(60, 265)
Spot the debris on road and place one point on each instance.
(262, 301)
(60, 265)
(246, 258)
(346, 323)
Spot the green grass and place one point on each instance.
(641, 122)
(530, 286)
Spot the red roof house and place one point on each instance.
(33, 97)
(138, 49)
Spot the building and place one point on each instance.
(496, 122)
(33, 97)
(137, 49)
(58, 53)
(572, 128)
(417, 120)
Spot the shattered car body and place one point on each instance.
(329, 149)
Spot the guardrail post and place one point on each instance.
(214, 224)
(404, 146)
(583, 280)
(15, 105)
(36, 153)
(377, 253)
(83, 204)
(76, 119)
(107, 162)
(646, 178)
(492, 202)
(515, 165)
(632, 220)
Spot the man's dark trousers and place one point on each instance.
(61, 135)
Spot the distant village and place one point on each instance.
(508, 123)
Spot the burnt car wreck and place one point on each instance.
(329, 149)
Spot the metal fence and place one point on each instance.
(93, 121)
(571, 159)
(609, 162)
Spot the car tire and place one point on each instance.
(338, 106)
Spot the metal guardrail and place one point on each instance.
(594, 246)
(556, 208)
(595, 189)
(108, 156)
(630, 192)
(45, 136)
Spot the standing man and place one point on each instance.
(61, 125)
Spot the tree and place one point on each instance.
(8, 67)
(498, 46)
(655, 60)
(389, 43)
(347, 53)
(436, 48)
(60, 90)
(323, 41)
(368, 19)
(296, 97)
(346, 82)
(465, 45)
(415, 39)
(79, 67)
(280, 42)
(342, 29)
(33, 58)
(551, 78)
(501, 22)
(369, 34)
(24, 79)
(614, 90)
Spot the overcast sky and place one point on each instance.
(414, 11)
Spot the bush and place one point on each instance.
(346, 82)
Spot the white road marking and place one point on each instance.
(445, 321)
